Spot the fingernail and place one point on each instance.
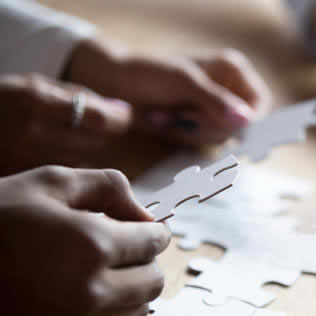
(159, 120)
(238, 118)
(186, 124)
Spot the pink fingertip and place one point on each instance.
(239, 118)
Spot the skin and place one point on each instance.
(190, 101)
(36, 115)
(221, 91)
(60, 256)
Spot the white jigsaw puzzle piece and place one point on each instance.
(262, 191)
(274, 238)
(228, 228)
(298, 251)
(283, 127)
(240, 277)
(190, 302)
(192, 182)
(258, 190)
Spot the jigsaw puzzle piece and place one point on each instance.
(240, 277)
(297, 251)
(282, 127)
(189, 302)
(230, 229)
(266, 195)
(192, 183)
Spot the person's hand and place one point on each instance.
(36, 122)
(190, 100)
(60, 257)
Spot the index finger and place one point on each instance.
(106, 191)
(125, 243)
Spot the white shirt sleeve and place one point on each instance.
(34, 38)
(304, 13)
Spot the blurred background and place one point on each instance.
(266, 31)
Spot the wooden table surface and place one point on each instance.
(264, 31)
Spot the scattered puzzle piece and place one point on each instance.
(282, 127)
(240, 277)
(228, 228)
(274, 238)
(237, 220)
(190, 302)
(258, 251)
(262, 191)
(191, 183)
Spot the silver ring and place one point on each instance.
(79, 101)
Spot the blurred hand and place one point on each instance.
(188, 100)
(60, 258)
(36, 122)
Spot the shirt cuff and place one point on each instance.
(38, 39)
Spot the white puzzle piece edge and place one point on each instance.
(283, 127)
(237, 276)
(189, 302)
(190, 183)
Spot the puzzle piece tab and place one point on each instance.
(282, 127)
(240, 277)
(190, 302)
(191, 183)
(230, 228)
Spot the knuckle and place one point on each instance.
(32, 83)
(142, 310)
(33, 77)
(99, 118)
(116, 180)
(53, 174)
(234, 57)
(157, 284)
(155, 243)
(97, 292)
(99, 240)
(89, 298)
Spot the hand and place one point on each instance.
(36, 122)
(60, 257)
(196, 101)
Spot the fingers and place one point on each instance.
(136, 243)
(189, 128)
(227, 109)
(141, 310)
(125, 243)
(232, 70)
(102, 116)
(105, 191)
(130, 286)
